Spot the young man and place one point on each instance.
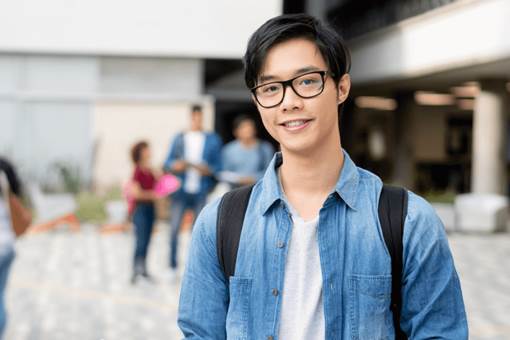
(246, 158)
(195, 157)
(312, 262)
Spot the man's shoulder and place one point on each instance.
(206, 221)
(178, 136)
(421, 216)
(422, 221)
(369, 185)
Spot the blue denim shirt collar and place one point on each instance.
(346, 186)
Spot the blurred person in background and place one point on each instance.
(143, 212)
(194, 157)
(14, 220)
(246, 158)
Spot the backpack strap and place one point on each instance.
(392, 212)
(229, 225)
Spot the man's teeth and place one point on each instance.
(295, 123)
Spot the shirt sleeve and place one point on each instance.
(433, 306)
(204, 294)
(173, 154)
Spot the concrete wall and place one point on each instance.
(138, 77)
(197, 29)
(51, 109)
(45, 105)
(465, 33)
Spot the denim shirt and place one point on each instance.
(355, 266)
(211, 156)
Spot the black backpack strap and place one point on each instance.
(392, 213)
(229, 225)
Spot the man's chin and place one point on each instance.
(298, 149)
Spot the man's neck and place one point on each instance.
(308, 179)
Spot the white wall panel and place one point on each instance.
(191, 28)
(60, 74)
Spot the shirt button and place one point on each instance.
(275, 292)
(280, 244)
(270, 337)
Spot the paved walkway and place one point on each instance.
(68, 285)
(483, 264)
(76, 286)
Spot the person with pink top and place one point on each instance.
(143, 194)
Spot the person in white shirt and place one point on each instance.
(195, 157)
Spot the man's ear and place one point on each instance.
(343, 88)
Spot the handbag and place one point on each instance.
(20, 216)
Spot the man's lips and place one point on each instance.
(295, 122)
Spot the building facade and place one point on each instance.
(80, 82)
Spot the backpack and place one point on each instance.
(392, 211)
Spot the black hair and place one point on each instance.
(241, 119)
(196, 108)
(290, 26)
(12, 177)
(136, 151)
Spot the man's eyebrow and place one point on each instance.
(306, 69)
(264, 78)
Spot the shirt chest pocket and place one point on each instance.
(239, 308)
(369, 299)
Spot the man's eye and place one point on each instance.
(270, 89)
(308, 81)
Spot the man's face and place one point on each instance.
(246, 130)
(301, 125)
(196, 120)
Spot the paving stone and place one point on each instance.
(66, 285)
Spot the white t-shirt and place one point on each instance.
(302, 313)
(193, 150)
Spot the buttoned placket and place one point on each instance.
(282, 240)
(328, 222)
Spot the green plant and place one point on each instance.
(70, 176)
(90, 207)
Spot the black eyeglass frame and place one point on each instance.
(288, 83)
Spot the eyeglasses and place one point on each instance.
(306, 86)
